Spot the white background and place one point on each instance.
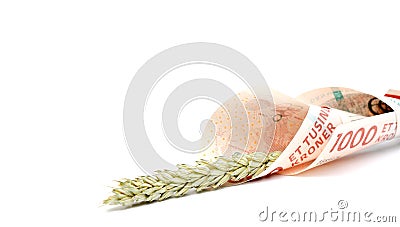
(65, 68)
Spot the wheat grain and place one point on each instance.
(204, 175)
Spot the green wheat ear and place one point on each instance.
(204, 175)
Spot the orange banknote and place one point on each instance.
(314, 128)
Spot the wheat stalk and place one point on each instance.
(205, 174)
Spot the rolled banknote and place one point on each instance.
(317, 127)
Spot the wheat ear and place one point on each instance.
(205, 174)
